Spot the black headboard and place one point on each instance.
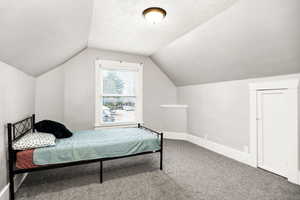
(20, 128)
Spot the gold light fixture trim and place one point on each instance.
(154, 14)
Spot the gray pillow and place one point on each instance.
(34, 140)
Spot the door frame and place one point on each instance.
(291, 87)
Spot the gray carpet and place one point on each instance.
(190, 173)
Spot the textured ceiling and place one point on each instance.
(118, 24)
(253, 38)
(37, 35)
(236, 39)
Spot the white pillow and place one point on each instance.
(34, 140)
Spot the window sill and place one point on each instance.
(174, 106)
(117, 125)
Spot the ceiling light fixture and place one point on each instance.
(154, 14)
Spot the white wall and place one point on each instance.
(16, 102)
(76, 80)
(221, 110)
(174, 119)
(50, 89)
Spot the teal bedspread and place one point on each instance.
(95, 144)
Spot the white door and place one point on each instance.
(272, 119)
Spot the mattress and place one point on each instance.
(92, 144)
(24, 159)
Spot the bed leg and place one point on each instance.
(101, 171)
(161, 150)
(161, 160)
(10, 163)
(11, 187)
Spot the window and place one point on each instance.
(118, 93)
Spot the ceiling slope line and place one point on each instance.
(65, 61)
(194, 28)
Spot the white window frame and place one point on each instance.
(117, 65)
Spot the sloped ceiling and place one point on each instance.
(198, 42)
(118, 24)
(253, 38)
(38, 35)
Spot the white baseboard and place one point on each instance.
(218, 148)
(229, 152)
(4, 193)
(240, 156)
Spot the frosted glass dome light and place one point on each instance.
(154, 14)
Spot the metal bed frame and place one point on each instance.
(18, 129)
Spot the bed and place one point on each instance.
(83, 147)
